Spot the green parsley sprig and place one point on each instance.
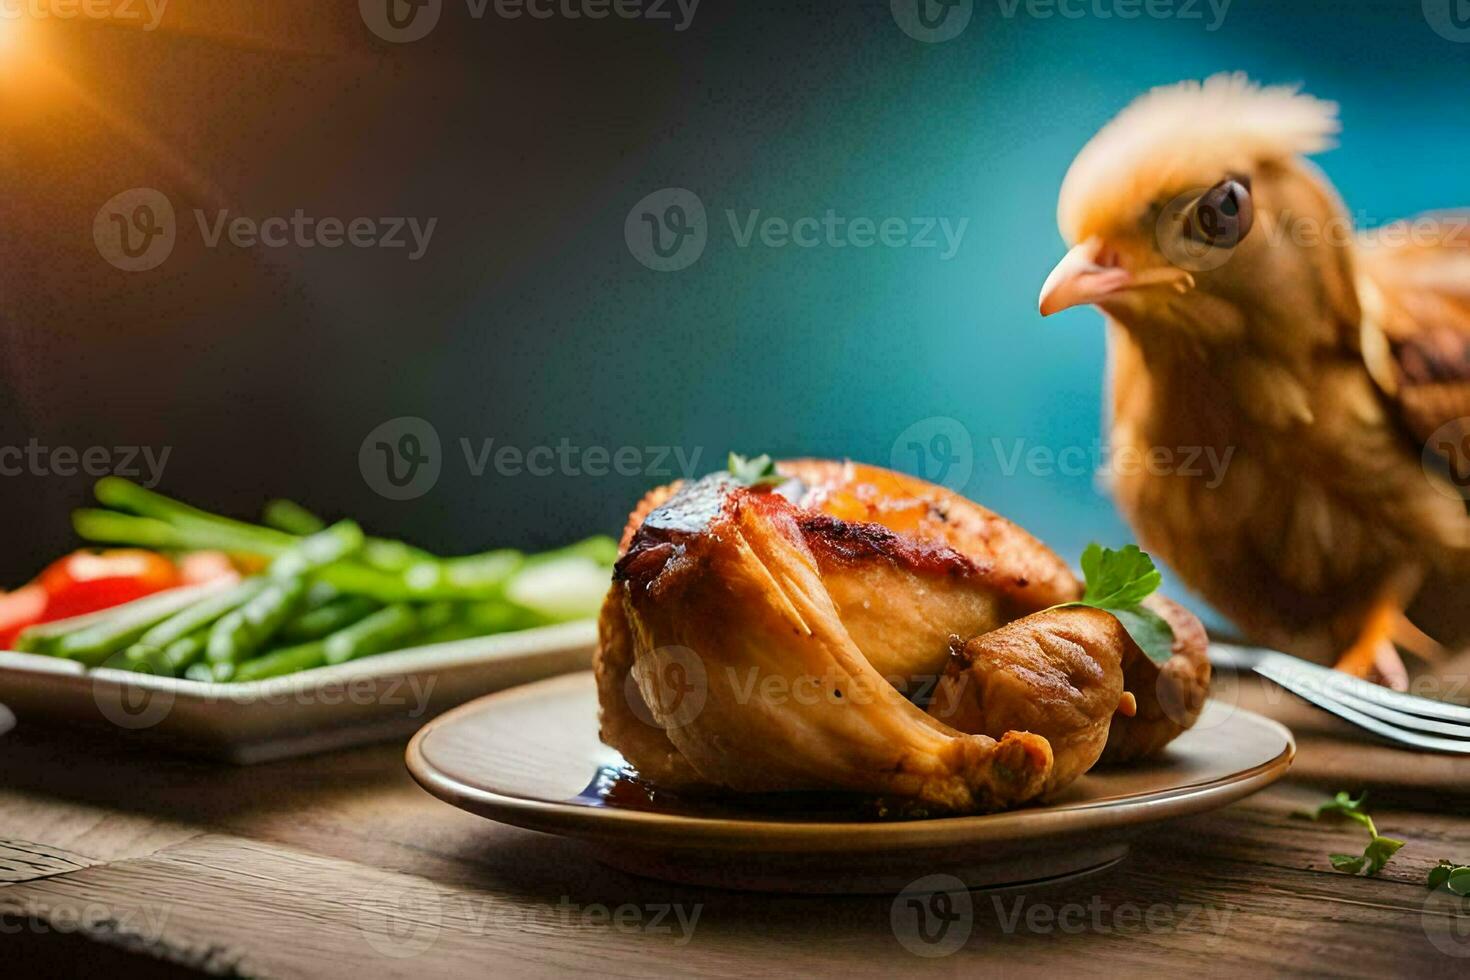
(1117, 582)
(1379, 848)
(758, 471)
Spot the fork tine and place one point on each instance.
(1346, 685)
(1312, 694)
(1414, 723)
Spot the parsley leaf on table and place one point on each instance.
(1455, 877)
(1341, 804)
(1379, 848)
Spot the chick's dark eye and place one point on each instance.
(1223, 215)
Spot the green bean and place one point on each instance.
(240, 633)
(114, 491)
(200, 671)
(381, 631)
(278, 663)
(481, 575)
(110, 527)
(181, 654)
(313, 624)
(196, 617)
(322, 548)
(171, 659)
(393, 556)
(291, 517)
(117, 629)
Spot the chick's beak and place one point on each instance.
(1079, 279)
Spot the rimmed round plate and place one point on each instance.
(530, 757)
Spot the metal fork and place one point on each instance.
(1404, 718)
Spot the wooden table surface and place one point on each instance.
(340, 866)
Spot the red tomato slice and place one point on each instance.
(19, 609)
(86, 581)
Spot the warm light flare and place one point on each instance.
(10, 31)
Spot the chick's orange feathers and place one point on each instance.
(1248, 318)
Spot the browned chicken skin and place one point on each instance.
(760, 640)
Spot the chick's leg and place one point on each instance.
(1373, 655)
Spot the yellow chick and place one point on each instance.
(1329, 369)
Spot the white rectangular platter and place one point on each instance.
(377, 698)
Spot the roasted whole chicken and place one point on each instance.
(849, 629)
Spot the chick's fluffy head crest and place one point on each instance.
(1185, 136)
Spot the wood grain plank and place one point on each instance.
(330, 866)
(25, 860)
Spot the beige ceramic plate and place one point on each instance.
(531, 757)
